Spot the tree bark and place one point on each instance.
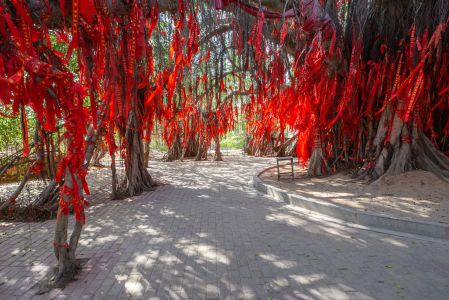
(317, 160)
(280, 151)
(99, 154)
(68, 266)
(137, 178)
(218, 156)
(65, 252)
(146, 155)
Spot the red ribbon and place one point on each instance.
(220, 4)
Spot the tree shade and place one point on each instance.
(360, 83)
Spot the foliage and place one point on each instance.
(233, 141)
(11, 131)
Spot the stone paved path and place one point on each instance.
(208, 235)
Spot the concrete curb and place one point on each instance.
(428, 229)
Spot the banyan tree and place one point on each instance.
(349, 83)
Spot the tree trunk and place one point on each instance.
(218, 156)
(176, 152)
(317, 163)
(281, 150)
(146, 155)
(114, 192)
(403, 151)
(65, 252)
(48, 196)
(137, 178)
(427, 157)
(199, 153)
(68, 266)
(99, 154)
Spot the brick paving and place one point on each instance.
(207, 235)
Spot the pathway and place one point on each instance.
(209, 235)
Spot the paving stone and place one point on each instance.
(207, 235)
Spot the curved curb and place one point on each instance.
(429, 229)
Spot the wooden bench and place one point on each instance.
(279, 163)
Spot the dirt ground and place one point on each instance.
(415, 195)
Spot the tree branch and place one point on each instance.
(220, 30)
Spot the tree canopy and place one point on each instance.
(358, 83)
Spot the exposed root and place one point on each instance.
(430, 159)
(318, 165)
(421, 154)
(401, 160)
(60, 277)
(137, 180)
(66, 274)
(139, 186)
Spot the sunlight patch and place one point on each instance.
(134, 288)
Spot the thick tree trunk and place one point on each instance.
(218, 156)
(247, 147)
(137, 179)
(317, 163)
(315, 167)
(199, 153)
(384, 159)
(146, 155)
(401, 160)
(114, 192)
(99, 154)
(373, 169)
(176, 152)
